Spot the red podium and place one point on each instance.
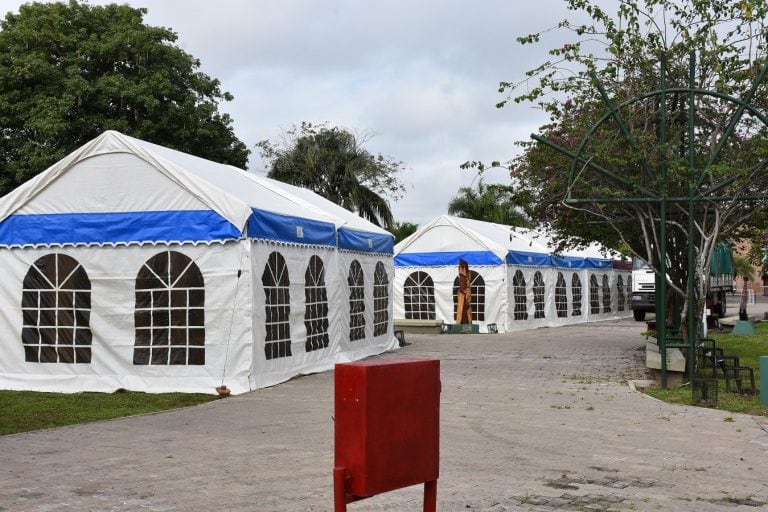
(387, 432)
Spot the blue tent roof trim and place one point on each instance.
(116, 227)
(568, 262)
(598, 263)
(535, 259)
(364, 241)
(580, 262)
(286, 228)
(440, 259)
(521, 258)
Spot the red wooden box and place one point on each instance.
(387, 433)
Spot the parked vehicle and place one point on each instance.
(720, 283)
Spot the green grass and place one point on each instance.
(749, 349)
(23, 411)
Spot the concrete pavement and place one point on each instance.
(533, 420)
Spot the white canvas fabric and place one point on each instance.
(129, 265)
(509, 262)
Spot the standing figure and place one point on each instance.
(464, 295)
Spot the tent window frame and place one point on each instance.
(539, 289)
(477, 287)
(380, 300)
(419, 296)
(56, 309)
(315, 305)
(561, 296)
(594, 295)
(169, 313)
(576, 294)
(606, 289)
(356, 283)
(520, 296)
(620, 293)
(277, 307)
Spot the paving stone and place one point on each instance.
(501, 441)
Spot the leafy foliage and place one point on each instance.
(490, 203)
(332, 162)
(69, 71)
(601, 92)
(403, 230)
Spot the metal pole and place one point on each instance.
(661, 296)
(692, 327)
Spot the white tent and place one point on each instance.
(130, 265)
(518, 282)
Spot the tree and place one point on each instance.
(490, 203)
(332, 162)
(742, 267)
(69, 71)
(724, 155)
(403, 230)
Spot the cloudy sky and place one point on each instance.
(421, 77)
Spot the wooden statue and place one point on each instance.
(464, 295)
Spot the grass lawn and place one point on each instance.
(749, 349)
(22, 411)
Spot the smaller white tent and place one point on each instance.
(518, 282)
(131, 265)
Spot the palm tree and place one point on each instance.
(403, 230)
(333, 163)
(490, 203)
(743, 268)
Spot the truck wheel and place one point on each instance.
(723, 298)
(639, 315)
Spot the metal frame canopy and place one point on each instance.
(652, 184)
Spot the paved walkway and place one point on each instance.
(535, 420)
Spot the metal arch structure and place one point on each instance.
(645, 195)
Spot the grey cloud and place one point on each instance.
(420, 76)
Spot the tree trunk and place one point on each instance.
(743, 304)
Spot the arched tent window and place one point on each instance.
(620, 291)
(56, 310)
(594, 295)
(316, 305)
(477, 287)
(277, 307)
(380, 300)
(538, 295)
(419, 296)
(561, 296)
(170, 311)
(521, 301)
(606, 294)
(356, 283)
(576, 294)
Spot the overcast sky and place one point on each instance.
(420, 76)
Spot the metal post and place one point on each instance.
(661, 296)
(339, 489)
(430, 496)
(692, 324)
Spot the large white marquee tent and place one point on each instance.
(130, 265)
(518, 282)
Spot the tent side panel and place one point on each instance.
(129, 329)
(301, 319)
(443, 278)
